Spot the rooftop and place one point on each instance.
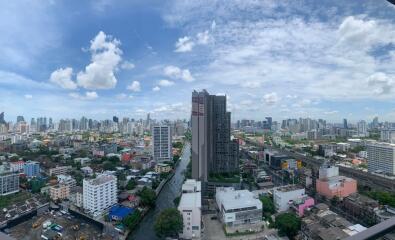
(101, 179)
(289, 188)
(189, 200)
(234, 199)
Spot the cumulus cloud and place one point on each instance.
(184, 44)
(381, 83)
(178, 73)
(165, 83)
(88, 95)
(121, 96)
(63, 78)
(28, 96)
(271, 98)
(106, 55)
(134, 86)
(156, 89)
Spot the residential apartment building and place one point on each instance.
(31, 169)
(162, 143)
(59, 170)
(59, 192)
(283, 197)
(9, 182)
(238, 208)
(99, 194)
(381, 157)
(213, 151)
(17, 166)
(190, 208)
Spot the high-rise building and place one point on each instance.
(20, 119)
(361, 128)
(115, 119)
(162, 145)
(213, 151)
(31, 169)
(345, 124)
(2, 121)
(9, 181)
(99, 194)
(381, 157)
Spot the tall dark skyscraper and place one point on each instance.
(345, 124)
(212, 149)
(2, 121)
(20, 119)
(115, 119)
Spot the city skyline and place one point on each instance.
(279, 59)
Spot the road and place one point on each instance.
(170, 191)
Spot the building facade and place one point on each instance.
(190, 209)
(59, 192)
(59, 170)
(381, 157)
(99, 194)
(162, 143)
(238, 208)
(213, 151)
(283, 197)
(31, 169)
(9, 183)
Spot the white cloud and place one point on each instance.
(331, 112)
(184, 44)
(134, 86)
(106, 55)
(271, 98)
(127, 65)
(381, 82)
(28, 96)
(177, 73)
(88, 96)
(203, 38)
(63, 78)
(156, 89)
(165, 83)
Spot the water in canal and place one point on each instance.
(171, 190)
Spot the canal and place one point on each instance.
(170, 191)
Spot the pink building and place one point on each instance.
(336, 186)
(330, 184)
(301, 204)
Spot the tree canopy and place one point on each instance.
(267, 205)
(147, 197)
(169, 223)
(287, 224)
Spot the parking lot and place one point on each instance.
(73, 228)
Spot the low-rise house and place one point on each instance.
(238, 209)
(59, 192)
(283, 197)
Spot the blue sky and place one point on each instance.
(319, 59)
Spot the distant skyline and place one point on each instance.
(285, 59)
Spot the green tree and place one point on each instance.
(107, 165)
(132, 220)
(169, 223)
(147, 197)
(131, 184)
(287, 224)
(267, 205)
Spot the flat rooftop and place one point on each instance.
(191, 200)
(101, 179)
(235, 199)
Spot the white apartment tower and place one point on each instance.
(381, 157)
(99, 194)
(162, 146)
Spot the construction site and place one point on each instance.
(55, 226)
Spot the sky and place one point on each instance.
(321, 59)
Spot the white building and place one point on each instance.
(162, 145)
(238, 207)
(17, 166)
(381, 157)
(387, 135)
(67, 180)
(362, 129)
(190, 208)
(99, 194)
(9, 182)
(284, 196)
